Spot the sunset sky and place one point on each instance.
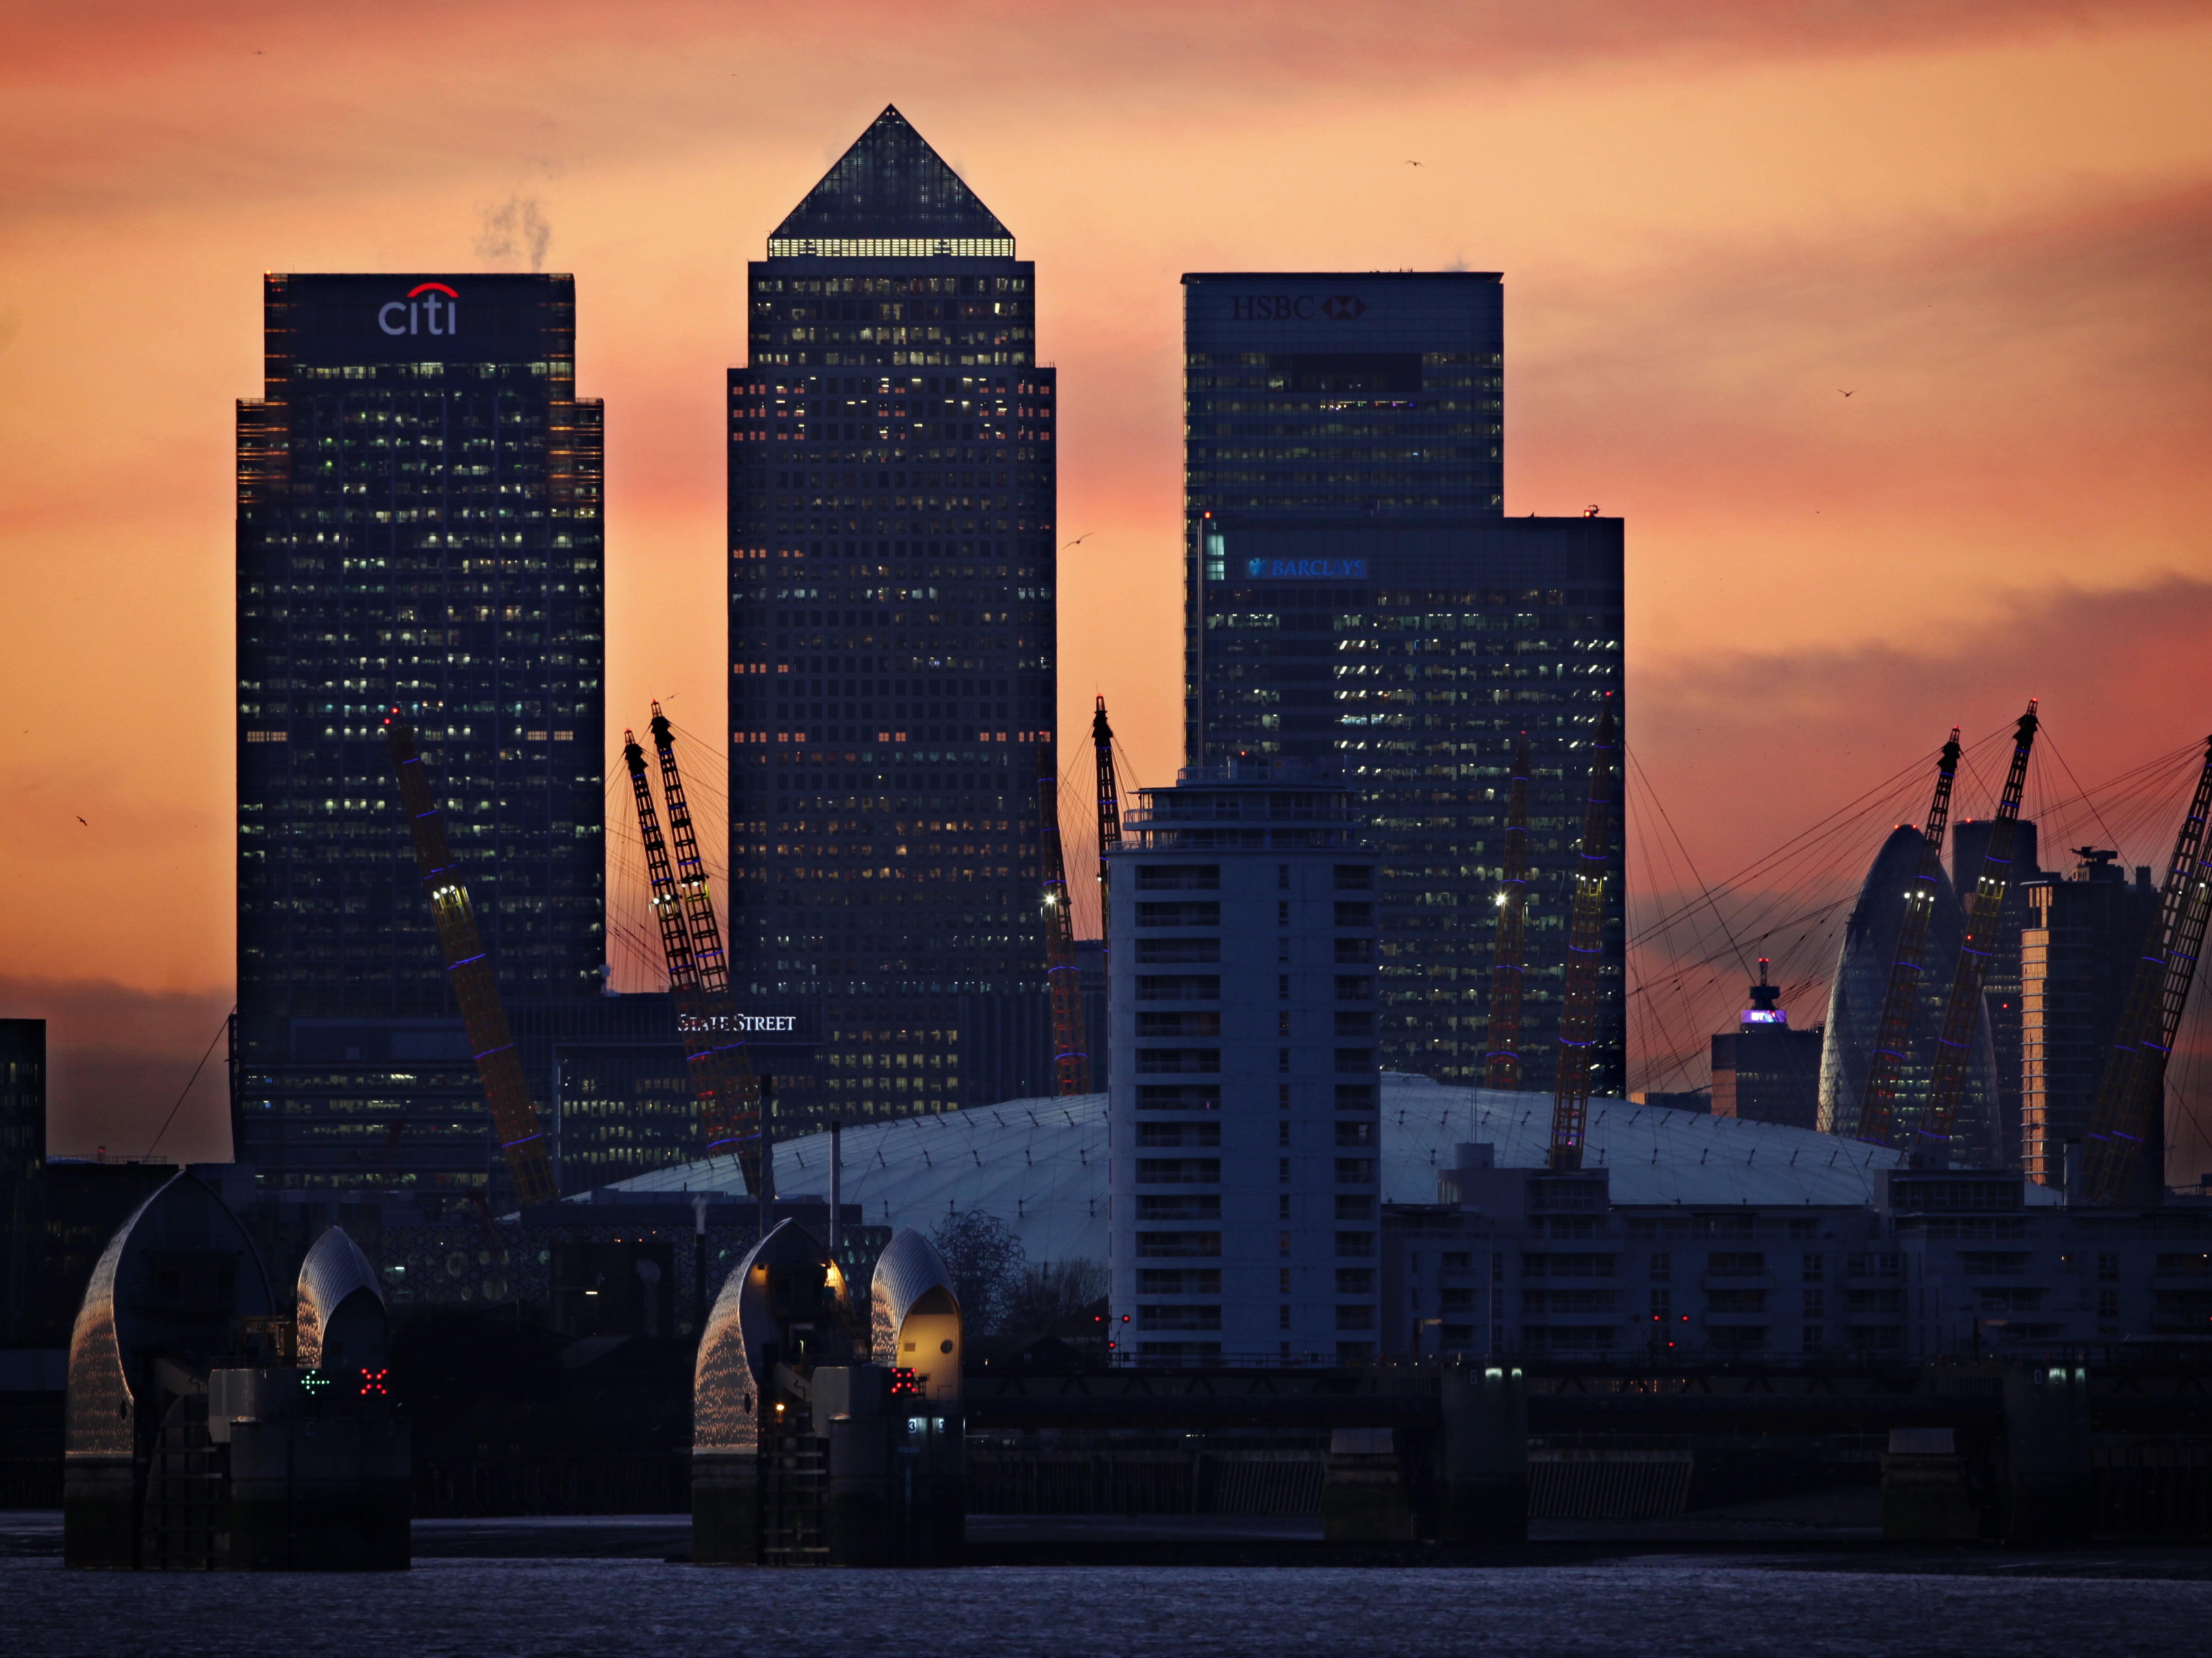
(1990, 224)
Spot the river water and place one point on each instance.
(1650, 1606)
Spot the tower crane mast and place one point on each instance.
(1885, 1070)
(1070, 1062)
(722, 1072)
(2131, 1088)
(1501, 1065)
(1963, 1014)
(716, 1086)
(1585, 940)
(1109, 804)
(468, 970)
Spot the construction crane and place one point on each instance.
(1070, 1063)
(1585, 942)
(1109, 804)
(716, 1083)
(1963, 1014)
(2132, 1090)
(1502, 1067)
(468, 970)
(1886, 1069)
(722, 1071)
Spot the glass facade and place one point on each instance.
(892, 639)
(419, 527)
(1354, 595)
(1860, 987)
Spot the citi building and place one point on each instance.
(419, 527)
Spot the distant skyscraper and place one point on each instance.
(418, 525)
(1763, 1070)
(2001, 991)
(1243, 1110)
(1860, 987)
(1354, 597)
(2078, 955)
(22, 1173)
(892, 637)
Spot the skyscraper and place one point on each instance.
(2001, 991)
(892, 637)
(2078, 955)
(418, 527)
(1354, 596)
(1859, 987)
(22, 1171)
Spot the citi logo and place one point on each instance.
(421, 312)
(1294, 307)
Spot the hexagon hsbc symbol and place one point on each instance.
(1343, 308)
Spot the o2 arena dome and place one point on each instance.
(1040, 1165)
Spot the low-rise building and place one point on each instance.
(1526, 1262)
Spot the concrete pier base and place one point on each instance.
(100, 1513)
(725, 1518)
(1364, 1498)
(329, 1495)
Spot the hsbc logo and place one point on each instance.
(422, 312)
(1296, 308)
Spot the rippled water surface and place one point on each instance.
(548, 1608)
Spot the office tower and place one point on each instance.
(418, 527)
(22, 1171)
(2078, 955)
(1763, 1070)
(1354, 598)
(892, 638)
(1243, 1123)
(1859, 987)
(2001, 990)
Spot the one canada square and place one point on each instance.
(892, 638)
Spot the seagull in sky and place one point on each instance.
(1079, 540)
(86, 825)
(1413, 163)
(1845, 393)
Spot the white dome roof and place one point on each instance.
(1040, 1165)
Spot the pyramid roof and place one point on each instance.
(891, 193)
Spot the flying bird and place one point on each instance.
(1845, 393)
(1413, 163)
(86, 825)
(1079, 540)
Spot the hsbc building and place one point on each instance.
(1356, 598)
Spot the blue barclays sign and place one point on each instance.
(1293, 570)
